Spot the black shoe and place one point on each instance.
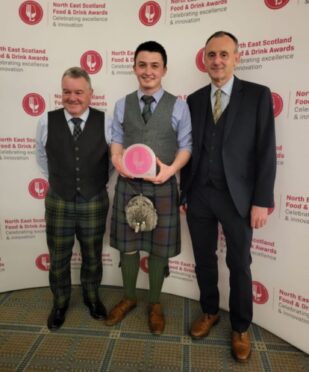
(56, 318)
(97, 309)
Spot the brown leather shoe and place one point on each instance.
(120, 311)
(241, 347)
(201, 327)
(156, 320)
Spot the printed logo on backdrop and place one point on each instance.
(42, 262)
(277, 103)
(188, 11)
(182, 270)
(144, 264)
(264, 248)
(77, 14)
(23, 228)
(293, 305)
(149, 13)
(259, 293)
(33, 104)
(199, 60)
(255, 54)
(30, 12)
(91, 61)
(276, 4)
(301, 104)
(296, 208)
(280, 154)
(38, 188)
(16, 148)
(121, 62)
(16, 58)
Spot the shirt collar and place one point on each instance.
(84, 115)
(157, 95)
(226, 88)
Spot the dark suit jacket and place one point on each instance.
(249, 150)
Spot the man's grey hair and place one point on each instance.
(77, 72)
(224, 33)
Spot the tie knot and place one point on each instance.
(76, 121)
(147, 99)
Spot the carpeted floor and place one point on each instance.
(84, 344)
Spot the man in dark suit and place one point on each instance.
(230, 179)
(72, 153)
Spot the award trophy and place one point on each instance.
(139, 161)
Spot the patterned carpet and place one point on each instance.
(84, 344)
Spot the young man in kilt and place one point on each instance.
(167, 130)
(72, 152)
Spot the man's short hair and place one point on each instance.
(77, 72)
(223, 33)
(151, 46)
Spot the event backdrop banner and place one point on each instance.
(42, 38)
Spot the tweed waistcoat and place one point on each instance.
(158, 133)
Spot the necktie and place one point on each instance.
(146, 110)
(217, 111)
(77, 129)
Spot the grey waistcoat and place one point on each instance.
(158, 133)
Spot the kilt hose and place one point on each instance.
(86, 220)
(164, 240)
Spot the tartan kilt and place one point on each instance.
(164, 240)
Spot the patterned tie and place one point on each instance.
(146, 110)
(217, 111)
(77, 129)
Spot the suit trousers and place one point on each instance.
(207, 207)
(65, 220)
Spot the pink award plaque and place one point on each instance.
(139, 161)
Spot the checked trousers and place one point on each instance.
(65, 220)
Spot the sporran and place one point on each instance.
(141, 214)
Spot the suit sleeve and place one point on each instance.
(185, 171)
(265, 152)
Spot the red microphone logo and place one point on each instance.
(38, 188)
(277, 103)
(42, 262)
(144, 264)
(33, 104)
(259, 293)
(91, 61)
(30, 12)
(149, 13)
(276, 4)
(199, 60)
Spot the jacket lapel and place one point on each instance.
(234, 104)
(204, 103)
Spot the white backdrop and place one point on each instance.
(42, 38)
